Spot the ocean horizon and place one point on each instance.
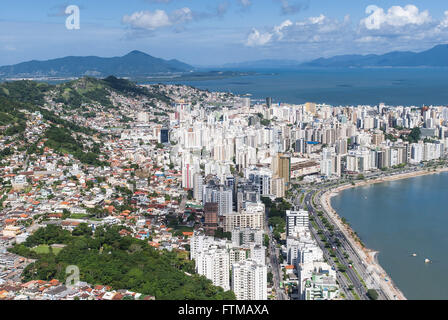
(336, 86)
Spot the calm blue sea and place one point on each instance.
(403, 217)
(393, 86)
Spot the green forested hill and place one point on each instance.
(122, 262)
(74, 93)
(63, 135)
(25, 91)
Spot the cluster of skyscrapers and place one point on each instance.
(231, 156)
(239, 264)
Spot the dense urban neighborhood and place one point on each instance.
(115, 191)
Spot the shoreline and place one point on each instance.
(369, 256)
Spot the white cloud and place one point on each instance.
(395, 16)
(313, 29)
(381, 30)
(401, 27)
(148, 20)
(181, 16)
(444, 22)
(320, 20)
(245, 3)
(256, 38)
(317, 20)
(142, 21)
(278, 29)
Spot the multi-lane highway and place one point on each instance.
(274, 263)
(355, 278)
(343, 248)
(338, 250)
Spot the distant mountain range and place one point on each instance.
(134, 64)
(137, 64)
(435, 57)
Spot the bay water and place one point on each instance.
(400, 218)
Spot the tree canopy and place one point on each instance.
(122, 262)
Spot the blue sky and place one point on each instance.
(214, 32)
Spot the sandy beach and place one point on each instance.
(367, 255)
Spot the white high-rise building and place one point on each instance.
(302, 248)
(224, 199)
(326, 163)
(214, 264)
(249, 280)
(296, 219)
(197, 186)
(238, 254)
(278, 187)
(252, 216)
(242, 236)
(199, 243)
(258, 253)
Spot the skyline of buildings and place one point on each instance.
(210, 167)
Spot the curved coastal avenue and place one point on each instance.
(375, 273)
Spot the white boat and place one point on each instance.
(414, 254)
(427, 260)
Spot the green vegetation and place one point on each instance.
(372, 294)
(399, 166)
(129, 88)
(27, 95)
(121, 262)
(357, 274)
(270, 277)
(25, 91)
(390, 137)
(263, 121)
(83, 91)
(46, 249)
(90, 90)
(266, 240)
(341, 267)
(279, 226)
(43, 248)
(219, 233)
(11, 116)
(79, 216)
(61, 140)
(277, 214)
(414, 136)
(277, 208)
